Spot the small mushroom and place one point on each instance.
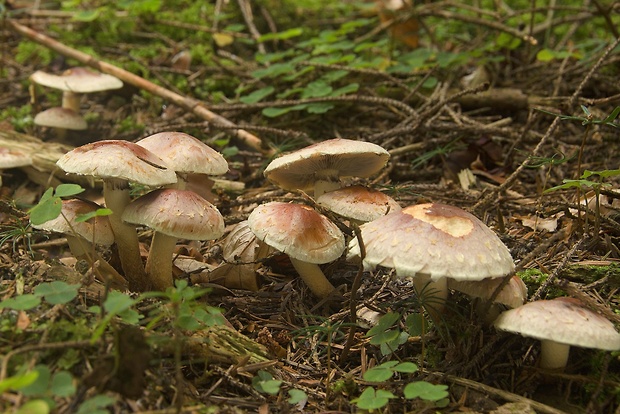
(559, 324)
(118, 163)
(10, 158)
(429, 243)
(83, 236)
(173, 214)
(306, 236)
(187, 156)
(358, 203)
(76, 81)
(320, 166)
(60, 120)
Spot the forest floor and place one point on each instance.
(435, 122)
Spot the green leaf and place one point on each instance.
(287, 34)
(316, 89)
(350, 88)
(257, 95)
(57, 292)
(390, 346)
(372, 399)
(381, 372)
(385, 337)
(45, 210)
(19, 381)
(406, 368)
(68, 190)
(264, 382)
(100, 212)
(545, 55)
(22, 302)
(602, 174)
(34, 407)
(275, 112)
(425, 390)
(41, 384)
(117, 302)
(297, 396)
(274, 70)
(86, 15)
(62, 384)
(415, 324)
(384, 323)
(319, 107)
(96, 405)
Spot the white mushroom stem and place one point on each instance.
(159, 261)
(553, 355)
(71, 100)
(82, 249)
(326, 181)
(313, 277)
(432, 294)
(116, 195)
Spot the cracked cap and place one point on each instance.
(436, 240)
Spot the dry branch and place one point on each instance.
(190, 104)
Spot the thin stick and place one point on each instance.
(190, 104)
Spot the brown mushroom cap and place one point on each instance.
(561, 320)
(117, 159)
(332, 158)
(297, 230)
(77, 80)
(179, 213)
(58, 117)
(358, 203)
(435, 240)
(96, 229)
(185, 154)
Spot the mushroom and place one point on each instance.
(60, 120)
(173, 214)
(82, 236)
(429, 243)
(187, 156)
(560, 323)
(306, 236)
(76, 81)
(242, 252)
(118, 163)
(10, 158)
(319, 167)
(358, 203)
(512, 295)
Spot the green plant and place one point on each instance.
(373, 399)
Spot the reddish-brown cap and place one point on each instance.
(185, 154)
(96, 229)
(297, 230)
(562, 320)
(58, 117)
(77, 80)
(178, 213)
(358, 203)
(335, 158)
(117, 159)
(436, 240)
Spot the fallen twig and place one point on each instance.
(190, 104)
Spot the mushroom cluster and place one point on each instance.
(73, 83)
(172, 213)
